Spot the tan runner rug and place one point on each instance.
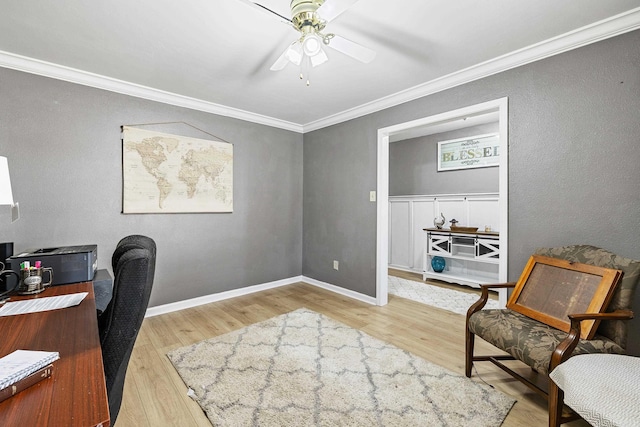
(305, 369)
(436, 296)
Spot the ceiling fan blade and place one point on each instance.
(352, 49)
(281, 62)
(293, 53)
(262, 8)
(331, 9)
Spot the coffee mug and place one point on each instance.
(31, 280)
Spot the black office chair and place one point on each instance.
(126, 243)
(131, 242)
(133, 269)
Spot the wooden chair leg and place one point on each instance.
(556, 404)
(468, 362)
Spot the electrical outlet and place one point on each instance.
(336, 264)
(372, 196)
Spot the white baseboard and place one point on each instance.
(338, 290)
(220, 296)
(403, 268)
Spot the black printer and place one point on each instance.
(70, 264)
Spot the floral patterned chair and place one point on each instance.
(543, 347)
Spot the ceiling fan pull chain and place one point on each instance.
(305, 68)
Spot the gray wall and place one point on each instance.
(65, 157)
(574, 135)
(413, 166)
(574, 126)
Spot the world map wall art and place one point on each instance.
(165, 173)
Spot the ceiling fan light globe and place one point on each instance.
(294, 56)
(319, 59)
(311, 45)
(294, 53)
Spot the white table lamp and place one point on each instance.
(6, 196)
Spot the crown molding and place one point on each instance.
(72, 75)
(610, 27)
(601, 30)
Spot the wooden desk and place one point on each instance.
(75, 394)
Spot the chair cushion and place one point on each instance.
(528, 340)
(603, 388)
(623, 295)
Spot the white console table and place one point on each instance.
(471, 258)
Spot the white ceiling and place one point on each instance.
(218, 52)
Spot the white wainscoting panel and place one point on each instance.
(484, 212)
(422, 218)
(410, 215)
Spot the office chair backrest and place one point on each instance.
(134, 241)
(131, 242)
(121, 321)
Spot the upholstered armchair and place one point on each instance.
(543, 347)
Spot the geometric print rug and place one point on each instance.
(444, 298)
(305, 369)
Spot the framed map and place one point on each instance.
(165, 173)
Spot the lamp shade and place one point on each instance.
(6, 196)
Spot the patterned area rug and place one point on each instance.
(444, 298)
(305, 369)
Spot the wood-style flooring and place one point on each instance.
(154, 394)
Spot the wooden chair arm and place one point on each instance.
(565, 348)
(499, 285)
(614, 315)
(484, 296)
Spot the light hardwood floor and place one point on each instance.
(155, 395)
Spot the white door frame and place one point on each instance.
(384, 134)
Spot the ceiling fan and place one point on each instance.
(309, 18)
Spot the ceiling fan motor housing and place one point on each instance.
(304, 16)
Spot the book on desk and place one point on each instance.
(24, 368)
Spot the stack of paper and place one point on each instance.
(22, 363)
(42, 304)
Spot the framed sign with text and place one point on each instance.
(478, 151)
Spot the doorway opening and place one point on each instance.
(431, 124)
